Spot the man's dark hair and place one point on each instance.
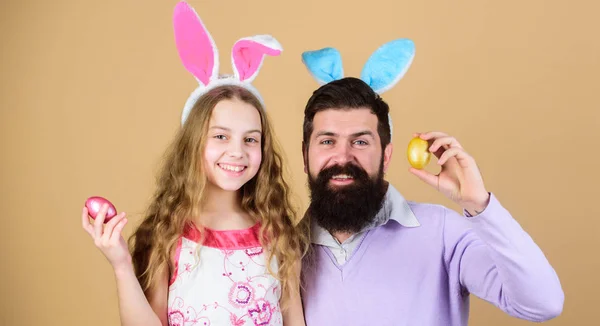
(347, 94)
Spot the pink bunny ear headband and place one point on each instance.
(200, 56)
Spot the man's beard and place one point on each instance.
(349, 208)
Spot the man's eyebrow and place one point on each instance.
(363, 133)
(326, 133)
(354, 135)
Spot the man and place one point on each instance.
(378, 259)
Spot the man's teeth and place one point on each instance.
(342, 176)
(232, 168)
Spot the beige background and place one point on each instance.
(92, 91)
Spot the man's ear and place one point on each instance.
(305, 157)
(387, 156)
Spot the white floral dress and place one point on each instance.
(228, 285)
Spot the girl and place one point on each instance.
(219, 244)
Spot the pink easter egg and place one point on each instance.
(94, 204)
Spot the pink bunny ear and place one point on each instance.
(248, 55)
(196, 47)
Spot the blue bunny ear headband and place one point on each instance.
(384, 69)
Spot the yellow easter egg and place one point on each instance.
(418, 153)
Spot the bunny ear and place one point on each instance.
(196, 47)
(388, 64)
(325, 65)
(249, 53)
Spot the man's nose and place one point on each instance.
(343, 154)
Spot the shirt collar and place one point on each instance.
(395, 207)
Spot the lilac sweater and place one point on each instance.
(422, 276)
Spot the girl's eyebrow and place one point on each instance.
(227, 129)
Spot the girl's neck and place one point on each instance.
(222, 210)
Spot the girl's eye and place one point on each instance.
(251, 140)
(222, 137)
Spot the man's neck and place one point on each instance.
(342, 236)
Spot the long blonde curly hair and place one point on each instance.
(180, 187)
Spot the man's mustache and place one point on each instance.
(350, 169)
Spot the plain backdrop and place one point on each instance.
(92, 91)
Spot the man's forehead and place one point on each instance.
(346, 120)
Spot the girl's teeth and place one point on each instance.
(231, 168)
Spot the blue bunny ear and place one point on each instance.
(325, 65)
(388, 64)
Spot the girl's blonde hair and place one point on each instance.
(178, 198)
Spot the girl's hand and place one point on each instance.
(108, 237)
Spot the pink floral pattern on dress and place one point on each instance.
(236, 321)
(241, 294)
(226, 286)
(176, 318)
(180, 314)
(261, 313)
(254, 251)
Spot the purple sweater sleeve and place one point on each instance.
(493, 258)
